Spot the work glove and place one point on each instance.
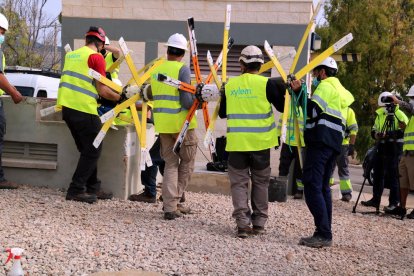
(210, 93)
(146, 92)
(294, 84)
(129, 91)
(351, 150)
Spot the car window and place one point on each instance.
(41, 94)
(25, 91)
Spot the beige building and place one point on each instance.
(146, 25)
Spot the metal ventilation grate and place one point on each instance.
(30, 151)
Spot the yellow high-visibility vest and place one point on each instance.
(250, 121)
(169, 115)
(76, 88)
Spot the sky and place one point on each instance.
(53, 7)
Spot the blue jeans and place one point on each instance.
(317, 171)
(149, 176)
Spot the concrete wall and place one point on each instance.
(118, 166)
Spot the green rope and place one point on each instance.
(297, 102)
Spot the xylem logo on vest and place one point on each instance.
(242, 93)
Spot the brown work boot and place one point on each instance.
(8, 185)
(244, 232)
(172, 215)
(258, 230)
(143, 197)
(183, 209)
(104, 195)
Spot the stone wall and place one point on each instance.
(276, 12)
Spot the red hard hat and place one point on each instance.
(97, 32)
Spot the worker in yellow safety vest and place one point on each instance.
(406, 166)
(388, 131)
(170, 109)
(342, 161)
(5, 87)
(289, 152)
(251, 132)
(324, 134)
(78, 95)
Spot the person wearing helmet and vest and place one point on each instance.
(406, 165)
(170, 110)
(351, 130)
(5, 87)
(251, 132)
(324, 133)
(390, 139)
(289, 152)
(78, 95)
(111, 54)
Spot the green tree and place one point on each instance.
(32, 36)
(383, 33)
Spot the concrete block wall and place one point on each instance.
(243, 11)
(118, 167)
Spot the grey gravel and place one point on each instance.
(72, 238)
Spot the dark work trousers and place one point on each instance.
(386, 172)
(317, 171)
(258, 164)
(287, 155)
(149, 176)
(84, 127)
(2, 133)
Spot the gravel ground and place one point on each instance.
(71, 238)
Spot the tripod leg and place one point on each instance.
(359, 195)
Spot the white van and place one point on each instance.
(34, 82)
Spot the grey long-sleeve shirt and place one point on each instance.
(186, 98)
(407, 107)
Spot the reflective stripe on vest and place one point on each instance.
(76, 89)
(250, 121)
(409, 135)
(329, 101)
(169, 115)
(351, 126)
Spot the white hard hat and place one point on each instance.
(329, 62)
(177, 41)
(107, 42)
(4, 23)
(411, 92)
(251, 54)
(380, 98)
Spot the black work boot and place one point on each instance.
(82, 197)
(315, 242)
(370, 203)
(346, 197)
